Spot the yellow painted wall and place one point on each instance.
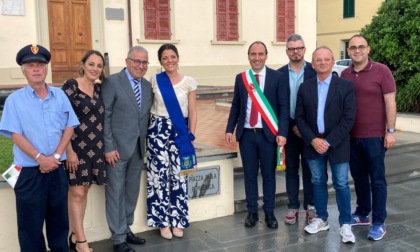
(333, 29)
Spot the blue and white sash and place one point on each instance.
(184, 138)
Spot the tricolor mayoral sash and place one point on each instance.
(183, 138)
(264, 108)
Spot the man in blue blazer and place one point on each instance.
(257, 143)
(293, 74)
(325, 113)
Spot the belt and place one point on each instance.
(255, 130)
(320, 135)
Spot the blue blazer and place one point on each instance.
(308, 73)
(339, 115)
(277, 94)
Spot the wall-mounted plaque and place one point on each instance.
(204, 182)
(13, 8)
(114, 14)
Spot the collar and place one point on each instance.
(34, 94)
(303, 66)
(129, 76)
(261, 73)
(326, 81)
(368, 67)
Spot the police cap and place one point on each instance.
(33, 53)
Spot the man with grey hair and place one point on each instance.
(40, 121)
(325, 112)
(297, 71)
(128, 98)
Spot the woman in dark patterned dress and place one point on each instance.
(85, 153)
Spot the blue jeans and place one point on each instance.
(341, 185)
(367, 167)
(294, 149)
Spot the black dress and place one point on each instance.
(88, 138)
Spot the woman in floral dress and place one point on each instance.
(85, 153)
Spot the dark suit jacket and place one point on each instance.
(124, 123)
(339, 115)
(308, 73)
(277, 94)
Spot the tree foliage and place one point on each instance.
(394, 35)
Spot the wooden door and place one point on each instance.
(70, 36)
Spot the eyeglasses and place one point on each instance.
(360, 47)
(297, 49)
(139, 62)
(327, 60)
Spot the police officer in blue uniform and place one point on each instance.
(40, 121)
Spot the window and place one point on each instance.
(227, 20)
(157, 19)
(348, 8)
(285, 19)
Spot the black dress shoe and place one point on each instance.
(251, 219)
(123, 247)
(132, 239)
(271, 221)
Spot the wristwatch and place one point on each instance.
(57, 156)
(390, 130)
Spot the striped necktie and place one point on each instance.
(137, 92)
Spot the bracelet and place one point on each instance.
(37, 156)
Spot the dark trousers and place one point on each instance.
(294, 161)
(258, 153)
(367, 167)
(42, 197)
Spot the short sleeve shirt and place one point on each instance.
(40, 121)
(182, 89)
(370, 86)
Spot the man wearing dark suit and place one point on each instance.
(293, 74)
(325, 113)
(127, 97)
(257, 143)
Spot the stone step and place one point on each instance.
(214, 92)
(402, 163)
(407, 142)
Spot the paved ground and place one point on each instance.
(229, 234)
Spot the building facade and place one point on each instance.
(339, 20)
(212, 35)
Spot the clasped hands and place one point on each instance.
(320, 145)
(47, 164)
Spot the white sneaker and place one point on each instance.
(317, 225)
(346, 234)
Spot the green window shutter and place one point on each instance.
(348, 10)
